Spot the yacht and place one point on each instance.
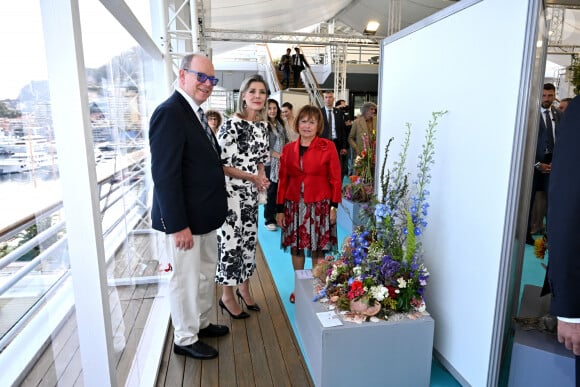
(26, 161)
(27, 153)
(31, 143)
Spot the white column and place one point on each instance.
(68, 90)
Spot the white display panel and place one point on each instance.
(469, 59)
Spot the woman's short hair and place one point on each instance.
(216, 115)
(241, 107)
(309, 111)
(366, 106)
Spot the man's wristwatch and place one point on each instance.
(332, 208)
(537, 165)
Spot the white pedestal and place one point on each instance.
(387, 353)
(538, 359)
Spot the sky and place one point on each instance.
(22, 49)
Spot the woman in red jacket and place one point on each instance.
(309, 190)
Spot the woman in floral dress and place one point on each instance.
(243, 139)
(309, 190)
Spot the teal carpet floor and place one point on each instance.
(280, 264)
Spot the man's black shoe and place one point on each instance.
(197, 350)
(529, 240)
(213, 330)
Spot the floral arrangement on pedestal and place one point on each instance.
(360, 188)
(380, 270)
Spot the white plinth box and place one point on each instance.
(538, 359)
(387, 353)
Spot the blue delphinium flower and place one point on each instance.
(424, 207)
(390, 267)
(381, 211)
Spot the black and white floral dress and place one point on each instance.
(244, 145)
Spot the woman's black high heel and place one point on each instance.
(242, 314)
(253, 307)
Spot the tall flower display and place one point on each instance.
(360, 188)
(380, 270)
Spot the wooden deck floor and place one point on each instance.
(260, 351)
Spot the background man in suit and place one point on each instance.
(299, 63)
(343, 109)
(564, 104)
(285, 67)
(549, 119)
(564, 232)
(189, 204)
(335, 129)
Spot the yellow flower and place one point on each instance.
(540, 247)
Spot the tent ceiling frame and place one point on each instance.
(213, 34)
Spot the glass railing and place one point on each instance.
(35, 258)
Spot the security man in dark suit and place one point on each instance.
(299, 63)
(189, 204)
(335, 128)
(564, 232)
(549, 120)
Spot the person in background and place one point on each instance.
(288, 116)
(548, 120)
(189, 204)
(343, 109)
(564, 104)
(243, 139)
(365, 125)
(564, 233)
(278, 139)
(334, 128)
(299, 63)
(285, 67)
(214, 119)
(309, 191)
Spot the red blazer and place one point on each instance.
(320, 172)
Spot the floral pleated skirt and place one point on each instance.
(308, 227)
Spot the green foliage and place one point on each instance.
(8, 113)
(411, 246)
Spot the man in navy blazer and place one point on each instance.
(549, 121)
(189, 204)
(564, 231)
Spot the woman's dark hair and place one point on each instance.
(278, 118)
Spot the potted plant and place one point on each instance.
(360, 188)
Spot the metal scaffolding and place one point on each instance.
(187, 31)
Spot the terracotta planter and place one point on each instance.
(362, 308)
